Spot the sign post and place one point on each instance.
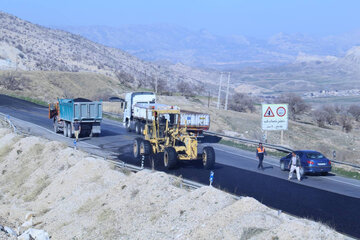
(275, 118)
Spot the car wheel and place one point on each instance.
(282, 166)
(324, 173)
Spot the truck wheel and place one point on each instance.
(136, 148)
(170, 157)
(65, 130)
(208, 157)
(145, 147)
(56, 129)
(70, 134)
(128, 125)
(142, 127)
(137, 127)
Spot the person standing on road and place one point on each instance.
(76, 129)
(294, 164)
(260, 153)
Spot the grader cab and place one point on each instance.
(164, 135)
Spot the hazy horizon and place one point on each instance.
(260, 18)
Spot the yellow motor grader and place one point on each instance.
(163, 134)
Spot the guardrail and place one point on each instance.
(7, 119)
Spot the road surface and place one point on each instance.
(331, 199)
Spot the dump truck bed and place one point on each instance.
(195, 121)
(84, 111)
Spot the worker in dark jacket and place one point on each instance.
(260, 153)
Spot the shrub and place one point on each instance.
(13, 81)
(296, 104)
(354, 110)
(345, 121)
(241, 103)
(184, 88)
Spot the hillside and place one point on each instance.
(31, 47)
(73, 195)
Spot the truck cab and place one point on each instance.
(131, 99)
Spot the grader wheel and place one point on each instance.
(170, 157)
(136, 148)
(208, 157)
(145, 147)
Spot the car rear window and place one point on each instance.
(314, 155)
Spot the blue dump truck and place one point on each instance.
(66, 111)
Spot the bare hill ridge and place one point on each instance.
(31, 47)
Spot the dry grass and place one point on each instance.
(48, 86)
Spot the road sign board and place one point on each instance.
(269, 113)
(277, 121)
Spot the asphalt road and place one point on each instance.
(333, 200)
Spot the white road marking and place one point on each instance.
(329, 178)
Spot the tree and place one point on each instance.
(354, 110)
(345, 121)
(184, 88)
(330, 114)
(125, 78)
(320, 117)
(241, 103)
(296, 104)
(160, 85)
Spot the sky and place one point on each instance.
(256, 18)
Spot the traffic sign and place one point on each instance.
(269, 113)
(277, 121)
(281, 111)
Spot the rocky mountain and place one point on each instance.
(161, 42)
(28, 46)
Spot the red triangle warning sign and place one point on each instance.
(269, 113)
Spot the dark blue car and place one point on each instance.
(311, 162)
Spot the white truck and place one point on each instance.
(138, 105)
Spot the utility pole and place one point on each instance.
(227, 92)
(156, 85)
(209, 100)
(219, 95)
